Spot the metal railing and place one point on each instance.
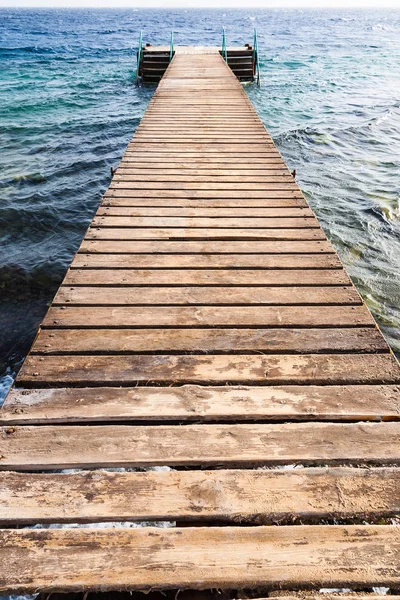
(256, 58)
(139, 55)
(224, 50)
(171, 46)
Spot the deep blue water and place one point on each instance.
(330, 97)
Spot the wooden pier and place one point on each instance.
(154, 60)
(205, 326)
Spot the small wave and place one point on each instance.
(307, 134)
(383, 27)
(29, 178)
(4, 51)
(342, 19)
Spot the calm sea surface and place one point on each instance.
(330, 97)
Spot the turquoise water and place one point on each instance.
(330, 97)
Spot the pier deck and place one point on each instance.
(207, 326)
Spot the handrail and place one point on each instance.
(139, 56)
(224, 51)
(171, 46)
(256, 58)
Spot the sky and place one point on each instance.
(203, 3)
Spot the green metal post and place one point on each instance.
(139, 56)
(256, 58)
(171, 46)
(224, 51)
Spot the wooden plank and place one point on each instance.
(204, 204)
(227, 341)
(51, 447)
(208, 185)
(209, 316)
(314, 369)
(206, 261)
(137, 233)
(198, 558)
(204, 212)
(210, 146)
(206, 296)
(235, 495)
(219, 126)
(201, 166)
(206, 194)
(219, 135)
(151, 155)
(207, 277)
(212, 138)
(202, 404)
(127, 173)
(205, 222)
(207, 164)
(207, 247)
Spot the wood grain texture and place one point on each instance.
(213, 316)
(248, 205)
(315, 369)
(198, 341)
(204, 212)
(199, 558)
(216, 233)
(199, 403)
(95, 446)
(212, 185)
(207, 277)
(206, 222)
(206, 247)
(206, 261)
(240, 496)
(186, 295)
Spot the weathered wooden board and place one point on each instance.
(248, 195)
(208, 185)
(197, 277)
(207, 247)
(199, 557)
(148, 233)
(238, 205)
(128, 175)
(209, 316)
(314, 369)
(200, 403)
(198, 211)
(201, 156)
(224, 222)
(227, 341)
(47, 447)
(201, 166)
(206, 261)
(116, 296)
(240, 496)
